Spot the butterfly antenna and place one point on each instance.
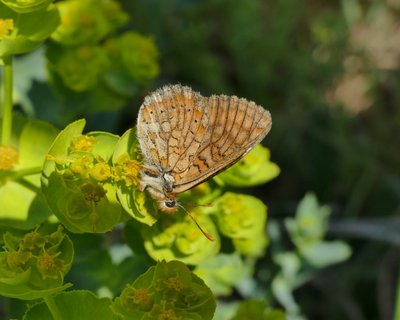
(208, 236)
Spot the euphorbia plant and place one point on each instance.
(56, 186)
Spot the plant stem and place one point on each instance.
(26, 172)
(7, 101)
(55, 312)
(397, 303)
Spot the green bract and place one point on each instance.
(253, 246)
(77, 180)
(80, 68)
(204, 196)
(75, 305)
(222, 272)
(33, 265)
(25, 6)
(307, 231)
(20, 165)
(255, 168)
(20, 33)
(87, 21)
(240, 216)
(257, 310)
(136, 203)
(167, 291)
(310, 222)
(177, 237)
(135, 54)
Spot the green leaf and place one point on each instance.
(136, 203)
(92, 264)
(29, 30)
(324, 253)
(74, 305)
(222, 272)
(310, 222)
(23, 6)
(257, 310)
(23, 206)
(33, 154)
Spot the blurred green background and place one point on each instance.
(329, 73)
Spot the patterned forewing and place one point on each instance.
(171, 125)
(186, 137)
(151, 136)
(235, 127)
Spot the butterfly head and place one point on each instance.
(168, 206)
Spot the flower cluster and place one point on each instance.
(86, 56)
(34, 263)
(79, 180)
(167, 291)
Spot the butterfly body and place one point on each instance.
(186, 138)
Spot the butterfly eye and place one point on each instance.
(170, 204)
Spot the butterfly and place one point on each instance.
(186, 139)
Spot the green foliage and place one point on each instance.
(79, 68)
(254, 169)
(328, 72)
(168, 290)
(23, 6)
(134, 54)
(92, 66)
(223, 272)
(179, 238)
(87, 21)
(256, 310)
(125, 160)
(85, 304)
(307, 231)
(33, 265)
(22, 206)
(20, 33)
(76, 180)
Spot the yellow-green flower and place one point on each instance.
(87, 21)
(82, 143)
(80, 68)
(168, 290)
(6, 25)
(8, 157)
(253, 247)
(254, 169)
(101, 171)
(240, 216)
(50, 266)
(34, 264)
(136, 54)
(179, 238)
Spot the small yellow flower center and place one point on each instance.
(8, 158)
(6, 25)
